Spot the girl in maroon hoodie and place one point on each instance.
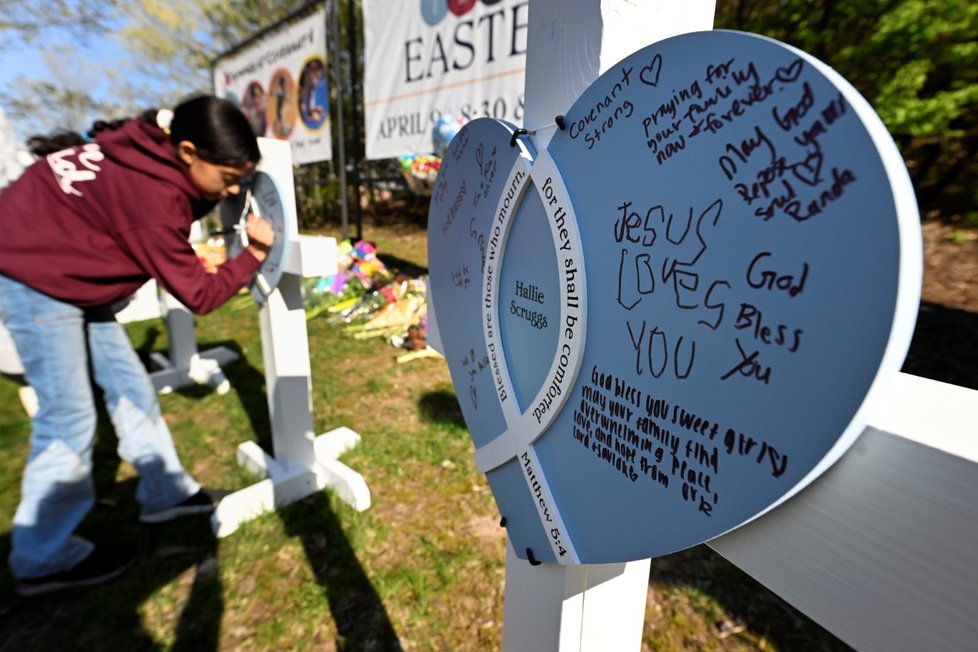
(80, 230)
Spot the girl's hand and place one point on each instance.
(261, 236)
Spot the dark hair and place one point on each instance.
(43, 145)
(63, 139)
(217, 128)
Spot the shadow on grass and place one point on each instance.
(150, 336)
(708, 577)
(401, 266)
(184, 552)
(766, 619)
(249, 384)
(107, 616)
(361, 619)
(442, 407)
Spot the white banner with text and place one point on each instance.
(280, 83)
(427, 60)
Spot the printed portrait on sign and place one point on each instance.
(253, 106)
(280, 105)
(313, 93)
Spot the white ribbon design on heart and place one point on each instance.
(523, 427)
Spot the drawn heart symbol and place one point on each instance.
(790, 72)
(809, 171)
(650, 73)
(655, 363)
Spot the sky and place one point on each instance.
(17, 59)
(78, 63)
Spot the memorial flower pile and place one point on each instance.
(420, 172)
(367, 300)
(359, 272)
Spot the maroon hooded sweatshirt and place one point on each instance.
(91, 224)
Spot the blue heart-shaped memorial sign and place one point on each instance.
(261, 196)
(675, 317)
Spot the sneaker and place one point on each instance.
(202, 502)
(105, 562)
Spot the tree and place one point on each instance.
(916, 61)
(65, 99)
(170, 46)
(26, 21)
(175, 41)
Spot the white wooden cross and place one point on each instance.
(881, 550)
(303, 463)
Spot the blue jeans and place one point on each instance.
(59, 345)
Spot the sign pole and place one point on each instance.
(351, 35)
(589, 607)
(334, 11)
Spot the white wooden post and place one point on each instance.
(882, 550)
(185, 365)
(303, 463)
(586, 607)
(593, 607)
(144, 304)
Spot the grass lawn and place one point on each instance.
(422, 569)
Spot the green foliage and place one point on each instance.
(916, 61)
(175, 41)
(317, 195)
(924, 78)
